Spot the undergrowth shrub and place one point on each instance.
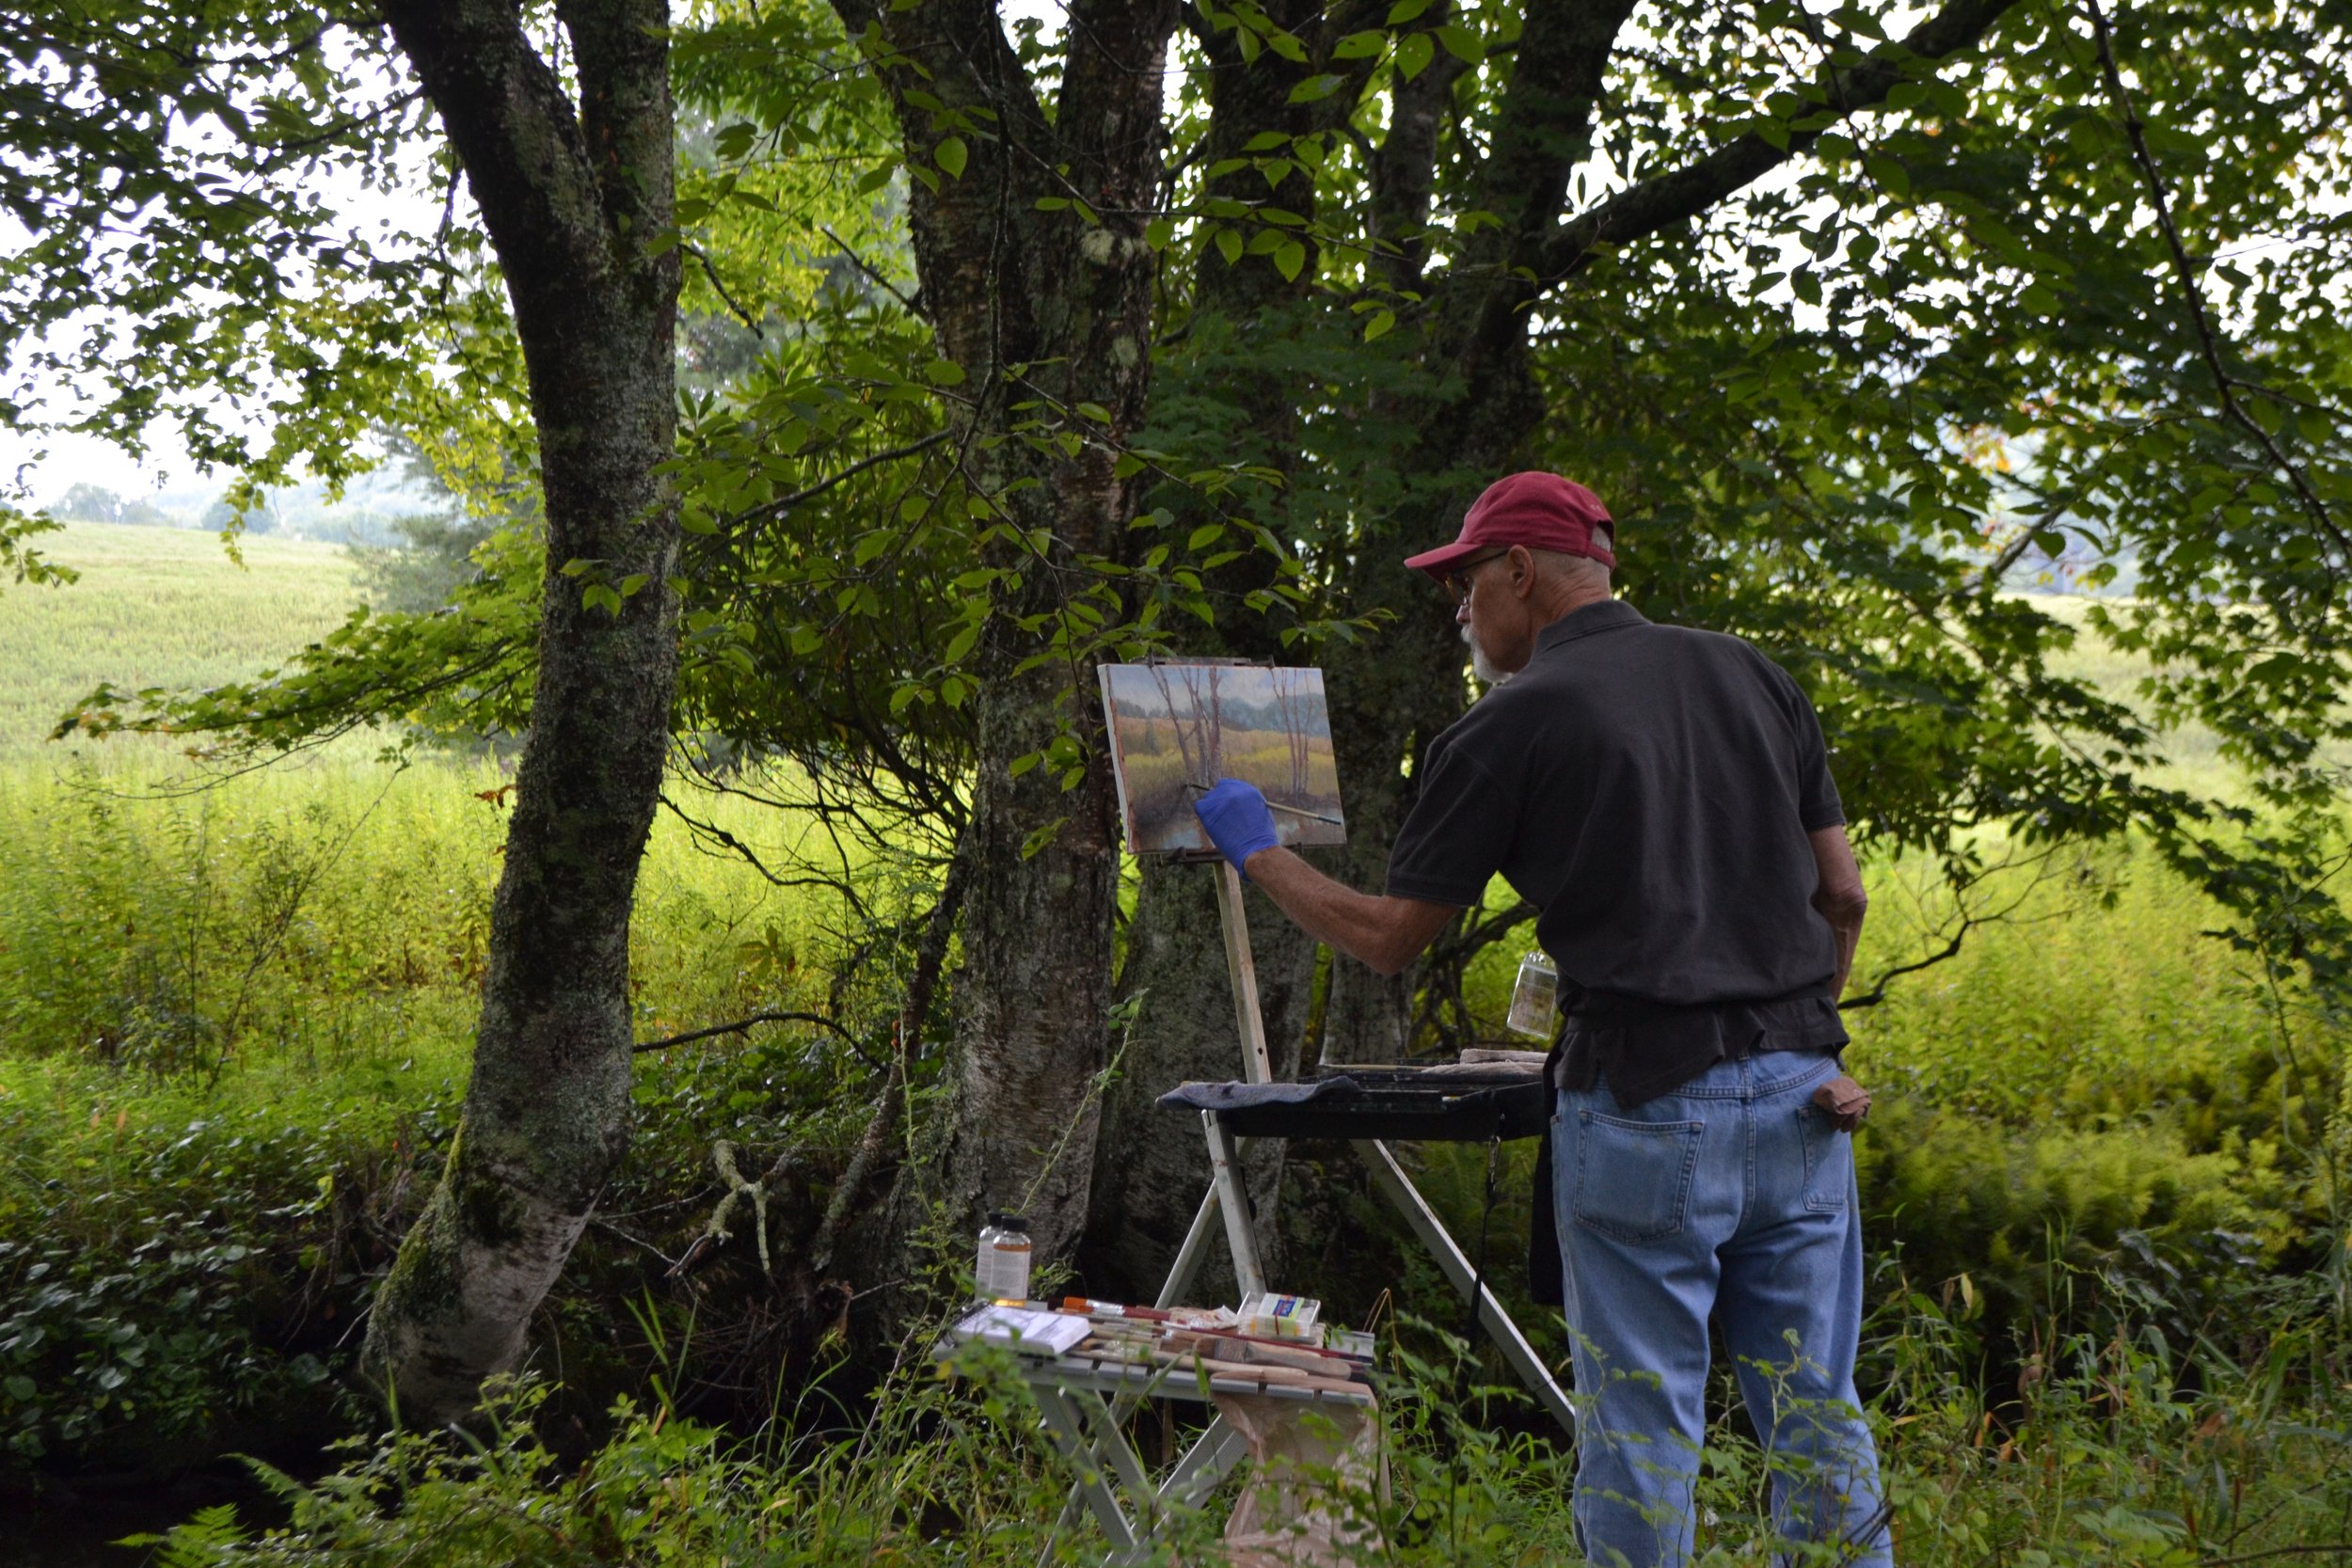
(2126, 1447)
(175, 1272)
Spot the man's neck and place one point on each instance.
(1567, 598)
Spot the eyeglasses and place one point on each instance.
(1457, 581)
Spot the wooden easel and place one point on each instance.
(1229, 1198)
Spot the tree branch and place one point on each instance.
(719, 287)
(1402, 172)
(1682, 194)
(517, 135)
(929, 958)
(2208, 342)
(741, 1024)
(783, 504)
(1545, 128)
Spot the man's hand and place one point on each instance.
(1237, 821)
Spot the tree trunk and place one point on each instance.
(1154, 1167)
(1045, 311)
(573, 198)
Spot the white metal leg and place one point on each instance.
(1399, 1190)
(1086, 1430)
(1234, 1199)
(1069, 1434)
(1196, 1242)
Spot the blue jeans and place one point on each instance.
(1732, 1194)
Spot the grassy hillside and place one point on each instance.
(158, 607)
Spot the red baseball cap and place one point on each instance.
(1543, 512)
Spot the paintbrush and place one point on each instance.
(1277, 805)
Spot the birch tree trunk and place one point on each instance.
(575, 197)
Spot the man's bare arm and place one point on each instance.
(1839, 896)
(1387, 933)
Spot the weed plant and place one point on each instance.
(233, 1034)
(290, 963)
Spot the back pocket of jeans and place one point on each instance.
(1633, 1177)
(1828, 1161)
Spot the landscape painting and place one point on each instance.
(1175, 729)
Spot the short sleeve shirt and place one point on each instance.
(1651, 790)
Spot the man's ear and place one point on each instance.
(1523, 572)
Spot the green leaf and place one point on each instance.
(1207, 533)
(1406, 10)
(945, 372)
(1290, 258)
(735, 141)
(961, 643)
(1160, 233)
(1891, 177)
(1414, 54)
(1316, 88)
(1229, 242)
(1051, 830)
(1462, 44)
(952, 155)
(1379, 324)
(1360, 46)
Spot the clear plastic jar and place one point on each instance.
(1003, 1268)
(1535, 1001)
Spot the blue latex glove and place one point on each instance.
(1237, 819)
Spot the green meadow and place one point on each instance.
(234, 1022)
(158, 607)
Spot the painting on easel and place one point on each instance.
(1175, 729)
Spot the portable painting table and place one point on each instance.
(1084, 1408)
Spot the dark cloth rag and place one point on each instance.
(1242, 1097)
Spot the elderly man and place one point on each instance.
(1663, 796)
